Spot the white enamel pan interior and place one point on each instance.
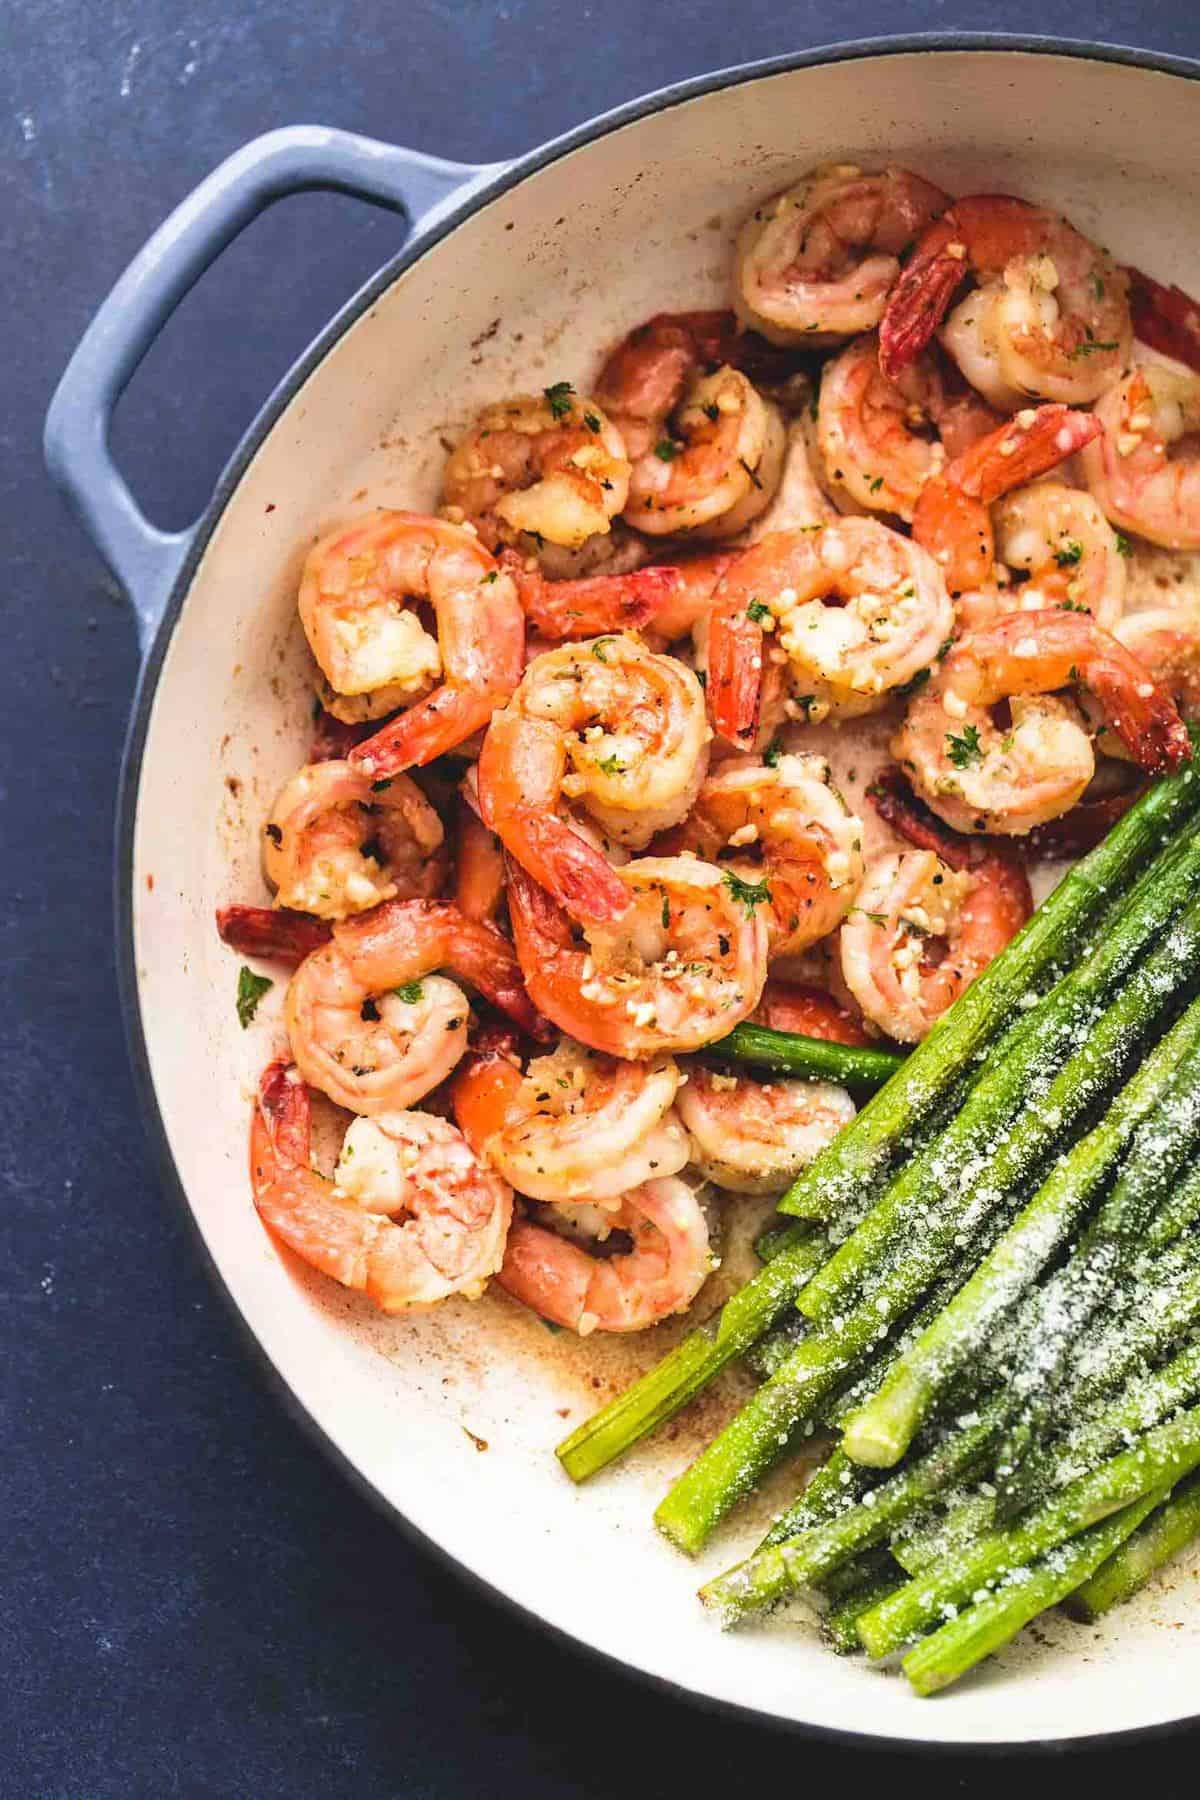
(451, 1419)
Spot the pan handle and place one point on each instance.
(294, 160)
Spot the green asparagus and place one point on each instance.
(1169, 1529)
(862, 1069)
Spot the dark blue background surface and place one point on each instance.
(191, 1601)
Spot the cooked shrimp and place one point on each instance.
(859, 610)
(337, 844)
(952, 519)
(922, 932)
(683, 964)
(706, 446)
(273, 932)
(1069, 552)
(796, 1007)
(881, 441)
(583, 608)
(547, 466)
(1165, 318)
(980, 775)
(576, 1126)
(1166, 640)
(1145, 468)
(787, 826)
(456, 1211)
(1048, 317)
(607, 724)
(357, 598)
(370, 1022)
(663, 1272)
(816, 263)
(754, 1137)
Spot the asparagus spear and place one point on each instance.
(1009, 1081)
(862, 1069)
(663, 1390)
(993, 1622)
(1158, 1459)
(860, 1153)
(839, 1623)
(1168, 1530)
(736, 1459)
(796, 1561)
(881, 1431)
(1181, 1209)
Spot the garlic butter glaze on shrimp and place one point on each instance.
(787, 826)
(357, 597)
(881, 441)
(1166, 641)
(337, 844)
(576, 1126)
(1048, 317)
(1145, 468)
(456, 1212)
(370, 1022)
(816, 262)
(859, 611)
(706, 446)
(754, 1137)
(922, 931)
(981, 775)
(668, 1264)
(1071, 557)
(610, 726)
(549, 466)
(683, 964)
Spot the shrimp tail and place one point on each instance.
(562, 610)
(957, 532)
(436, 725)
(286, 1108)
(894, 800)
(920, 301)
(567, 865)
(1021, 449)
(1165, 318)
(273, 932)
(1140, 710)
(735, 666)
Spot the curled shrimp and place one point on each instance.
(816, 263)
(337, 844)
(1048, 317)
(922, 931)
(1166, 641)
(881, 441)
(1071, 557)
(358, 595)
(607, 724)
(668, 1263)
(547, 466)
(787, 826)
(754, 1137)
(577, 1126)
(979, 773)
(706, 446)
(1145, 467)
(858, 610)
(370, 1022)
(683, 964)
(456, 1212)
(952, 519)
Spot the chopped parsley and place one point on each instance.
(410, 992)
(591, 421)
(377, 787)
(1097, 288)
(1072, 606)
(772, 753)
(250, 990)
(750, 893)
(489, 578)
(666, 450)
(610, 765)
(876, 484)
(598, 648)
(964, 750)
(1124, 547)
(1070, 554)
(758, 611)
(666, 913)
(1093, 347)
(914, 684)
(559, 394)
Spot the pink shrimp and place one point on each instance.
(274, 933)
(456, 1211)
(1144, 468)
(1049, 316)
(357, 598)
(684, 963)
(370, 1021)
(610, 725)
(661, 1274)
(1166, 639)
(478, 866)
(337, 843)
(952, 519)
